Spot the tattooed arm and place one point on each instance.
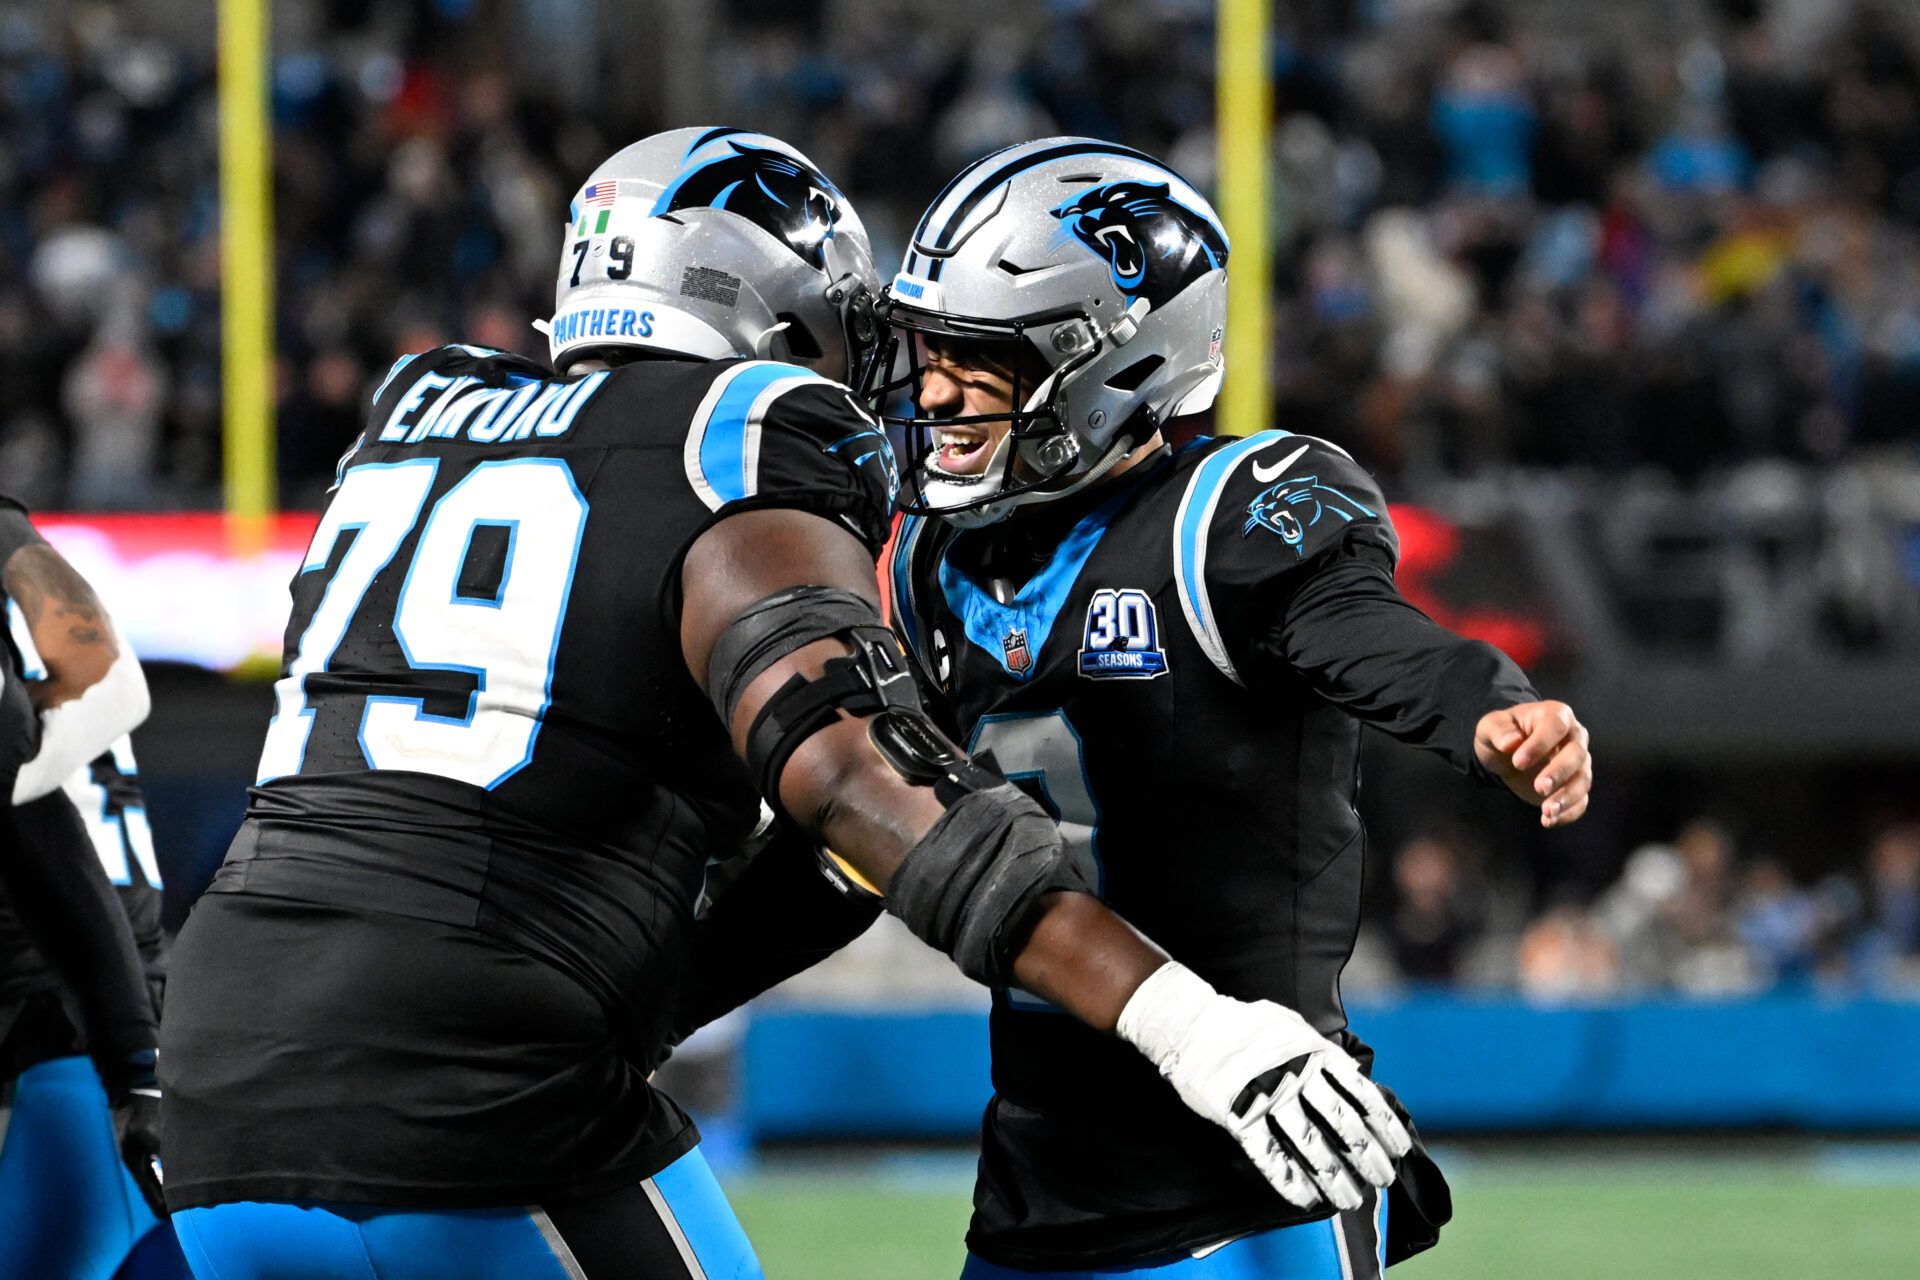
(93, 692)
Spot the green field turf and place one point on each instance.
(1582, 1213)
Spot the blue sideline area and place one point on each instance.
(1798, 1061)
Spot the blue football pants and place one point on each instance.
(676, 1225)
(68, 1207)
(1347, 1246)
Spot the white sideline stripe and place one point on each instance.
(672, 1224)
(562, 1252)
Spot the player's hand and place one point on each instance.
(135, 1093)
(1539, 749)
(1296, 1102)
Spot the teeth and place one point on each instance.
(954, 439)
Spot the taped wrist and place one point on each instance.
(972, 886)
(1162, 1011)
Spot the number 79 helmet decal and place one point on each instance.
(710, 243)
(1099, 260)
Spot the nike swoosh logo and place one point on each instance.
(1267, 475)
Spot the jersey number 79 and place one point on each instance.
(507, 642)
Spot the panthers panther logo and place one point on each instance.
(787, 196)
(1155, 245)
(1294, 506)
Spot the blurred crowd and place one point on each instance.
(1549, 235)
(1692, 915)
(1705, 914)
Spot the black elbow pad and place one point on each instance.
(973, 884)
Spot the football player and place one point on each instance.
(1178, 649)
(411, 1022)
(72, 981)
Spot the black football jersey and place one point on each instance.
(1128, 655)
(486, 733)
(114, 810)
(22, 969)
(19, 728)
(107, 796)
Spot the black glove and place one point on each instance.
(134, 1090)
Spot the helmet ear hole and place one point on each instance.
(1130, 378)
(801, 343)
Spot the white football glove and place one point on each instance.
(1318, 1129)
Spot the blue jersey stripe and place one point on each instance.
(726, 457)
(904, 621)
(1196, 512)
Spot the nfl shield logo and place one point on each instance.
(1015, 643)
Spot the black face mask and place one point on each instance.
(892, 383)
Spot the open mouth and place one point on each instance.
(958, 451)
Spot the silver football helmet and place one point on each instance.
(1107, 264)
(710, 243)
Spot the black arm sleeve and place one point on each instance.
(16, 531)
(19, 727)
(1346, 628)
(71, 912)
(781, 917)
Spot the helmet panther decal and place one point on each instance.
(1155, 245)
(788, 197)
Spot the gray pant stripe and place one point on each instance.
(562, 1252)
(672, 1224)
(1357, 1236)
